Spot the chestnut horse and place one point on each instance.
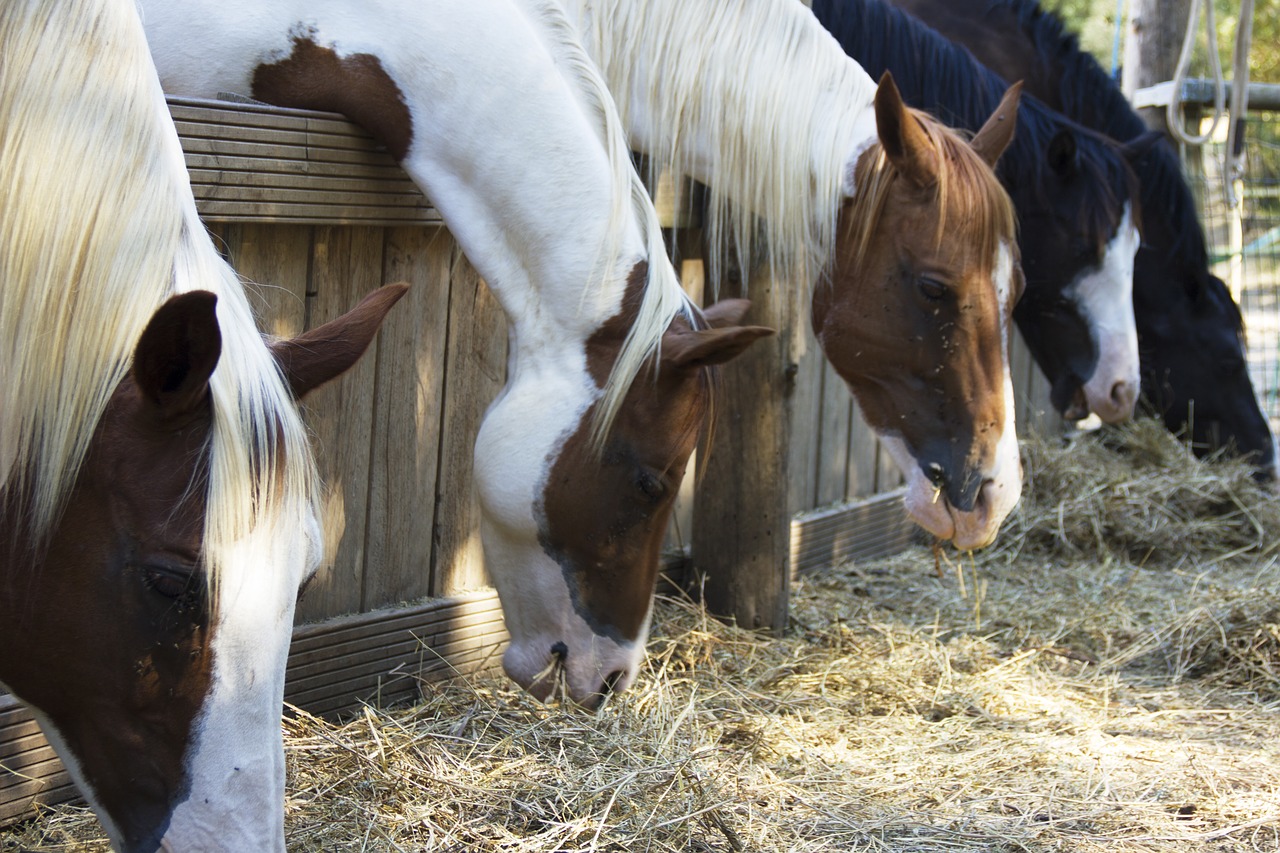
(1190, 332)
(1074, 191)
(158, 499)
(500, 116)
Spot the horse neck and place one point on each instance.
(531, 176)
(751, 97)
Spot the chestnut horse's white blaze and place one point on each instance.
(498, 115)
(757, 100)
(158, 493)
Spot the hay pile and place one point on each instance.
(1058, 693)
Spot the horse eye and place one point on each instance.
(931, 288)
(171, 582)
(652, 486)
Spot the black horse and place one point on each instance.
(1190, 332)
(1074, 193)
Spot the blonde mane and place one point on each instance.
(98, 227)
(775, 97)
(663, 297)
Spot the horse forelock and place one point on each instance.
(946, 80)
(1090, 95)
(777, 104)
(99, 228)
(965, 183)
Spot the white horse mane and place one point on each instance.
(98, 227)
(663, 298)
(775, 96)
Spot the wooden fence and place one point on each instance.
(308, 206)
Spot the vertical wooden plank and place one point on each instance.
(1021, 366)
(274, 259)
(680, 528)
(476, 356)
(346, 264)
(806, 423)
(833, 447)
(864, 452)
(741, 526)
(406, 430)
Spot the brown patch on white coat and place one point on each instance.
(317, 78)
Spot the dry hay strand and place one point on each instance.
(1136, 492)
(1057, 693)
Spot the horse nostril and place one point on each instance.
(559, 651)
(612, 680)
(937, 475)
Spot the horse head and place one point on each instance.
(916, 316)
(147, 671)
(1080, 327)
(1194, 371)
(576, 575)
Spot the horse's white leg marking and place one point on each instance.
(1105, 297)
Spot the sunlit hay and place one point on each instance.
(1137, 493)
(1019, 699)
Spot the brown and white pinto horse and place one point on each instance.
(494, 110)
(157, 493)
(498, 113)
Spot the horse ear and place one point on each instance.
(904, 141)
(996, 134)
(313, 358)
(726, 312)
(1062, 154)
(177, 353)
(688, 349)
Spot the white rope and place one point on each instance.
(1173, 112)
(1239, 101)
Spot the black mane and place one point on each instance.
(944, 79)
(1088, 94)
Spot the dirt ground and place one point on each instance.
(1106, 679)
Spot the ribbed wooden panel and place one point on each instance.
(380, 657)
(255, 163)
(862, 530)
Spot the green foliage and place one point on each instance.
(1095, 21)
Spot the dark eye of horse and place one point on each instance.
(174, 583)
(651, 485)
(931, 288)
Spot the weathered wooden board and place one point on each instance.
(409, 388)
(741, 517)
(346, 264)
(476, 356)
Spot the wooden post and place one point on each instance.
(1153, 42)
(741, 517)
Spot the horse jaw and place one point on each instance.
(1104, 295)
